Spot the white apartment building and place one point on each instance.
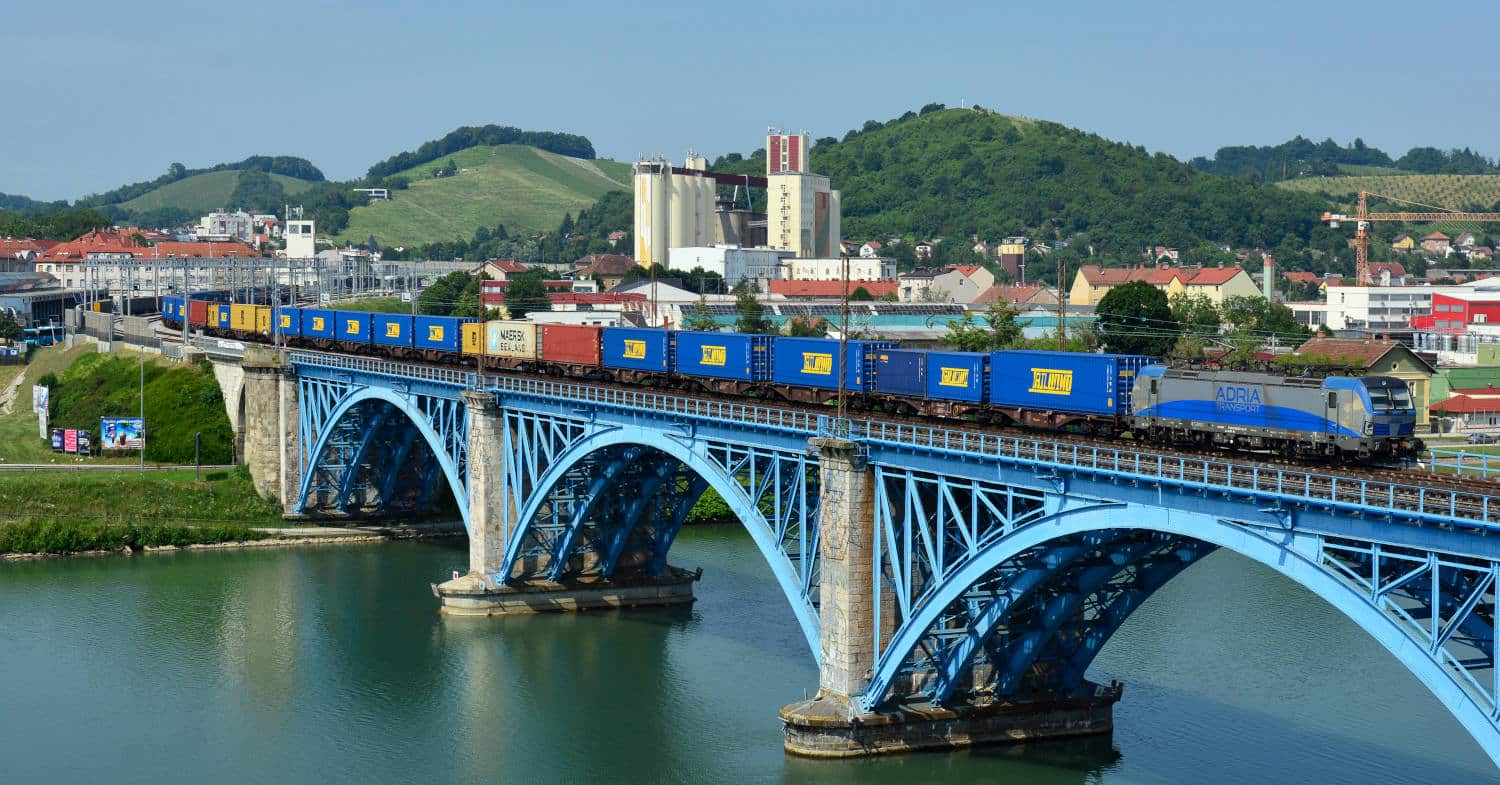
(1374, 308)
(861, 268)
(732, 262)
(220, 227)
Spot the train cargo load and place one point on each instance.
(242, 318)
(958, 376)
(438, 333)
(352, 326)
(171, 309)
(638, 349)
(900, 372)
(288, 321)
(219, 315)
(1073, 382)
(197, 313)
(814, 362)
(262, 319)
(511, 340)
(392, 329)
(471, 340)
(571, 344)
(318, 323)
(736, 356)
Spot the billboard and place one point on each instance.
(70, 440)
(122, 433)
(57, 440)
(39, 398)
(83, 443)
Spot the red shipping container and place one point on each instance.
(572, 343)
(197, 312)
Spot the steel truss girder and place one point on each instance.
(348, 428)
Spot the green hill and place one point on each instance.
(201, 193)
(526, 189)
(957, 172)
(1480, 192)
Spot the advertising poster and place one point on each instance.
(57, 440)
(39, 398)
(70, 440)
(84, 443)
(122, 433)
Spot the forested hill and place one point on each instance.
(571, 145)
(1301, 157)
(957, 172)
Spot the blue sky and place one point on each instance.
(98, 94)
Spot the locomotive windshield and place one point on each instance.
(1389, 398)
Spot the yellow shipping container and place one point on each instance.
(241, 318)
(472, 332)
(262, 319)
(216, 314)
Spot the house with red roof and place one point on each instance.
(961, 284)
(1438, 243)
(1476, 408)
(1021, 296)
(827, 290)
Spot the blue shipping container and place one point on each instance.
(288, 321)
(638, 348)
(957, 376)
(317, 323)
(392, 329)
(1064, 381)
(900, 372)
(171, 309)
(442, 333)
(813, 362)
(219, 316)
(352, 326)
(746, 358)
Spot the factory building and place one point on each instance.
(674, 208)
(802, 209)
(735, 264)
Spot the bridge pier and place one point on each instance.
(492, 518)
(268, 425)
(831, 724)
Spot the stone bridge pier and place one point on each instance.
(260, 394)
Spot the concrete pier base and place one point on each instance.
(470, 596)
(822, 728)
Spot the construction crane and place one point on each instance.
(1364, 218)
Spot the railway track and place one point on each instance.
(1375, 488)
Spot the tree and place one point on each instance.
(1196, 314)
(807, 327)
(525, 293)
(998, 330)
(699, 318)
(10, 329)
(752, 313)
(441, 296)
(861, 295)
(1136, 319)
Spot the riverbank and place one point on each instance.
(224, 538)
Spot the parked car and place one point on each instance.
(1481, 438)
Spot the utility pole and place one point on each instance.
(843, 368)
(1062, 329)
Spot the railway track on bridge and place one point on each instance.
(1351, 486)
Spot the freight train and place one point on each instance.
(1366, 419)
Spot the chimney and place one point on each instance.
(1268, 277)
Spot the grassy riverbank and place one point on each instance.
(69, 511)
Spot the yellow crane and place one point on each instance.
(1363, 218)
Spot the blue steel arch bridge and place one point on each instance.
(926, 566)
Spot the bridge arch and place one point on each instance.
(1289, 553)
(415, 418)
(796, 583)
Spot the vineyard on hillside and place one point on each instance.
(1474, 192)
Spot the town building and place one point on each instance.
(861, 268)
(1019, 295)
(1012, 252)
(1474, 409)
(1376, 308)
(1215, 283)
(609, 268)
(1404, 243)
(222, 227)
(301, 240)
(831, 290)
(1437, 243)
(37, 299)
(733, 263)
(961, 284)
(1376, 358)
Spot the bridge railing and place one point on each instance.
(1462, 463)
(1342, 492)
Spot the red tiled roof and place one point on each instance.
(1007, 294)
(200, 250)
(876, 289)
(11, 246)
(1395, 268)
(1214, 276)
(1437, 236)
(507, 265)
(1115, 276)
(1301, 277)
(1353, 351)
(1468, 404)
(610, 264)
(875, 244)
